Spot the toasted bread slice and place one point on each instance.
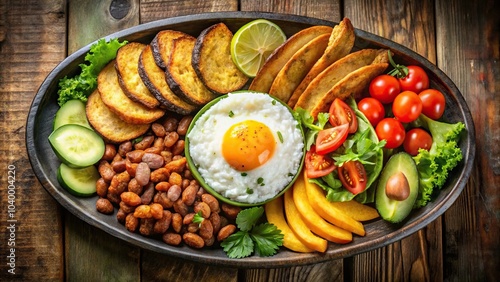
(264, 79)
(297, 67)
(180, 75)
(321, 85)
(213, 63)
(127, 66)
(340, 44)
(162, 46)
(113, 96)
(108, 124)
(154, 79)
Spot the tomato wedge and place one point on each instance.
(330, 139)
(318, 165)
(341, 113)
(353, 176)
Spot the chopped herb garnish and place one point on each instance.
(280, 136)
(198, 218)
(273, 102)
(244, 174)
(231, 114)
(260, 181)
(249, 190)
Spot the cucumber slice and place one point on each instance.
(76, 145)
(72, 112)
(78, 181)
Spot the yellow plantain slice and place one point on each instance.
(330, 210)
(340, 44)
(299, 227)
(275, 62)
(321, 84)
(313, 220)
(297, 67)
(276, 216)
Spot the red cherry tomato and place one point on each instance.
(318, 165)
(353, 176)
(372, 109)
(341, 113)
(416, 80)
(330, 139)
(407, 106)
(433, 103)
(384, 88)
(392, 131)
(415, 139)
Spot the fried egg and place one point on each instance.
(247, 146)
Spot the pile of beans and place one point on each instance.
(150, 184)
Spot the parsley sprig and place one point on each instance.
(264, 239)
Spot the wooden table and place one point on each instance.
(460, 37)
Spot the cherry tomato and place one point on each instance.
(407, 106)
(318, 165)
(384, 88)
(433, 103)
(416, 80)
(353, 176)
(392, 131)
(341, 113)
(415, 139)
(372, 109)
(330, 139)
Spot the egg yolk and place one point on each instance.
(248, 145)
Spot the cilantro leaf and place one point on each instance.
(198, 218)
(238, 245)
(247, 218)
(267, 239)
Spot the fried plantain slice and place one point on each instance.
(162, 46)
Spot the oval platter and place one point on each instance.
(378, 232)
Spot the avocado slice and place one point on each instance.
(396, 210)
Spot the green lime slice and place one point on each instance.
(253, 43)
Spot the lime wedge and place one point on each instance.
(253, 43)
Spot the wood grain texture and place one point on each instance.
(410, 23)
(32, 42)
(152, 10)
(468, 51)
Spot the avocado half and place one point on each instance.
(393, 210)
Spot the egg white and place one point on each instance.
(259, 184)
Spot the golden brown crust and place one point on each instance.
(113, 96)
(154, 78)
(265, 77)
(162, 46)
(127, 66)
(180, 75)
(213, 63)
(108, 124)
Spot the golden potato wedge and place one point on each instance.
(213, 63)
(181, 76)
(352, 84)
(112, 95)
(108, 124)
(329, 210)
(340, 44)
(313, 220)
(127, 66)
(154, 79)
(263, 80)
(319, 86)
(299, 227)
(275, 215)
(297, 67)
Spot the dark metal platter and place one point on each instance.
(378, 232)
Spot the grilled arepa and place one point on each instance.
(113, 96)
(212, 60)
(340, 44)
(127, 66)
(108, 124)
(154, 79)
(297, 67)
(275, 62)
(162, 46)
(180, 75)
(316, 96)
